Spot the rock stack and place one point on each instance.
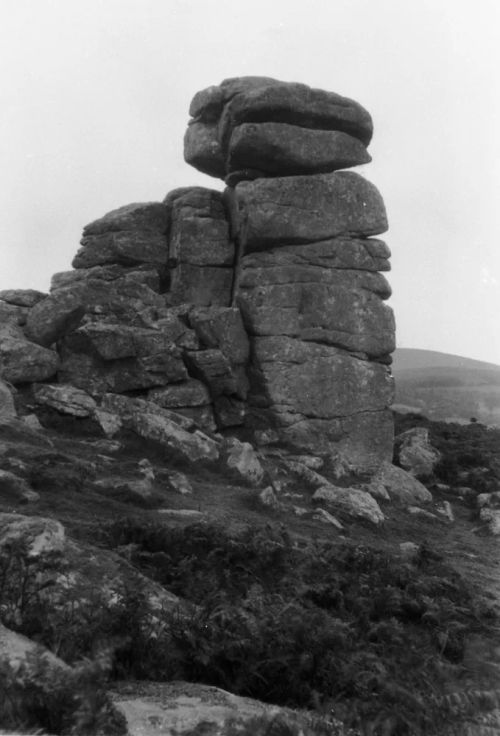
(253, 309)
(307, 274)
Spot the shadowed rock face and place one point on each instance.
(259, 307)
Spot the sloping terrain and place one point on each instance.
(447, 387)
(266, 577)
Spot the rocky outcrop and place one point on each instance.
(261, 307)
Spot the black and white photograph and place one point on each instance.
(250, 368)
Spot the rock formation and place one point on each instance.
(261, 307)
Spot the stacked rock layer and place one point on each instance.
(260, 307)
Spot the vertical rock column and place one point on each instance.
(307, 272)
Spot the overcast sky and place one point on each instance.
(95, 96)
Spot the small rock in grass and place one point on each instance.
(488, 500)
(417, 511)
(242, 458)
(492, 519)
(32, 421)
(445, 510)
(409, 550)
(180, 483)
(268, 498)
(350, 501)
(324, 516)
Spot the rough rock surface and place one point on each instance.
(175, 432)
(200, 250)
(400, 485)
(184, 708)
(415, 453)
(65, 399)
(129, 235)
(298, 209)
(39, 535)
(53, 317)
(22, 361)
(240, 457)
(278, 122)
(278, 149)
(350, 501)
(22, 297)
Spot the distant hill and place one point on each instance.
(446, 387)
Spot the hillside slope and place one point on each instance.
(447, 387)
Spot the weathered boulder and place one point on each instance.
(22, 297)
(141, 273)
(113, 341)
(12, 319)
(56, 315)
(262, 99)
(184, 708)
(126, 248)
(173, 431)
(186, 394)
(22, 361)
(65, 399)
(128, 374)
(488, 500)
(100, 357)
(190, 398)
(279, 149)
(86, 568)
(350, 501)
(491, 519)
(39, 536)
(305, 209)
(400, 485)
(415, 453)
(241, 458)
(141, 492)
(133, 234)
(122, 301)
(202, 149)
(227, 124)
(147, 216)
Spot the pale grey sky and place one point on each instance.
(95, 95)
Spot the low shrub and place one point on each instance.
(344, 628)
(70, 702)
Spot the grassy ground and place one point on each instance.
(64, 473)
